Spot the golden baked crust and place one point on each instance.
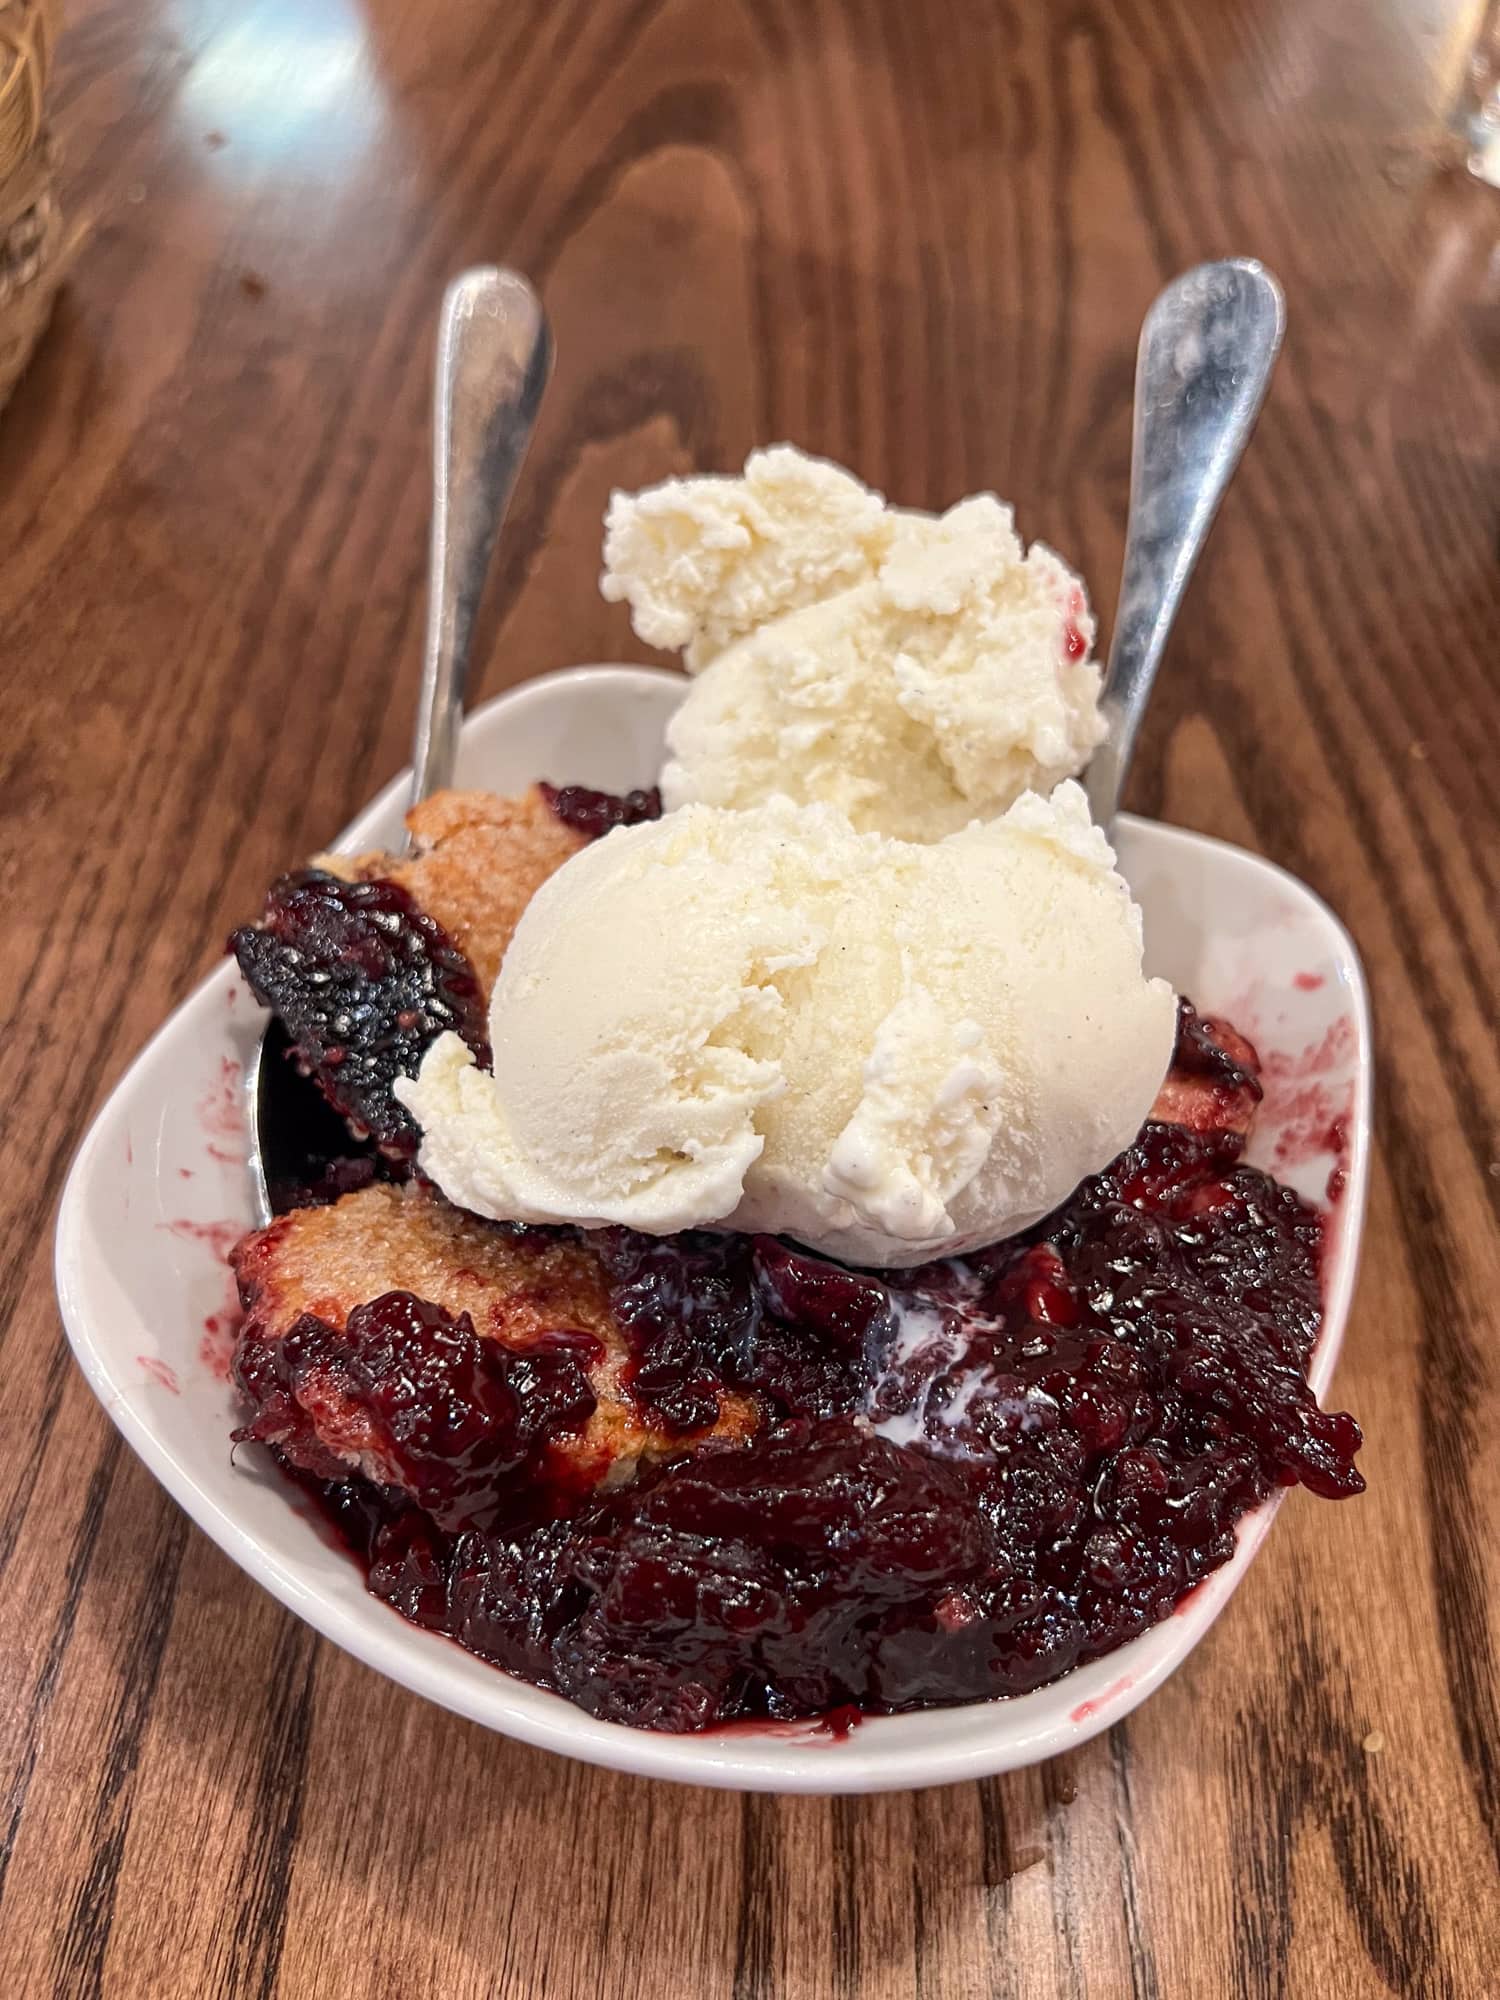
(326, 1261)
(479, 860)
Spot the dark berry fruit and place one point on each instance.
(1210, 1048)
(426, 1407)
(362, 982)
(593, 814)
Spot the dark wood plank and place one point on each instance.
(919, 239)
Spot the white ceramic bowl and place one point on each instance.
(158, 1193)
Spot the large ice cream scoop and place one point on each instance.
(766, 1020)
(915, 670)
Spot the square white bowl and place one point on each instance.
(159, 1192)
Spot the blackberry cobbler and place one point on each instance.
(691, 1479)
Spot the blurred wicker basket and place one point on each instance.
(31, 234)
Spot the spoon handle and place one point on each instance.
(494, 354)
(1208, 346)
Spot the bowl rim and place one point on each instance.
(791, 1758)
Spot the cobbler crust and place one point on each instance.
(324, 1262)
(478, 861)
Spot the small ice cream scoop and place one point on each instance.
(766, 1020)
(919, 671)
(915, 670)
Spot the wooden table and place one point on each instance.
(918, 238)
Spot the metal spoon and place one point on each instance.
(1207, 349)
(493, 357)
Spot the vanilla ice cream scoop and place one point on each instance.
(703, 561)
(916, 671)
(764, 1019)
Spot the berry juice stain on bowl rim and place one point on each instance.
(159, 1372)
(1311, 1098)
(1087, 1709)
(220, 1237)
(221, 1111)
(1316, 1041)
(602, 727)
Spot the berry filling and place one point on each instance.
(362, 981)
(422, 1402)
(593, 814)
(969, 1478)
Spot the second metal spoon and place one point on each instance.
(1207, 349)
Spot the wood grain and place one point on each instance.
(919, 238)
